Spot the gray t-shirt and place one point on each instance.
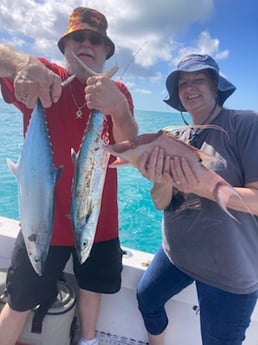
(198, 236)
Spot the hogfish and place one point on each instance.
(128, 153)
(36, 178)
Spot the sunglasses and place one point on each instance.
(80, 36)
(195, 82)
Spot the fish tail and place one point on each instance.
(222, 192)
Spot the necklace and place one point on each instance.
(193, 135)
(78, 113)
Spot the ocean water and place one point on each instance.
(139, 220)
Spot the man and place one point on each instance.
(24, 79)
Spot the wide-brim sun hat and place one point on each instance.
(195, 63)
(84, 18)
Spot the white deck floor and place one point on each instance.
(120, 322)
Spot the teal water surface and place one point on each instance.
(139, 220)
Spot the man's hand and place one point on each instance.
(34, 81)
(102, 93)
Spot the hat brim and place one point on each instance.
(106, 39)
(225, 88)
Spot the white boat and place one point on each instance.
(120, 322)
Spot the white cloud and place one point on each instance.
(145, 32)
(131, 24)
(204, 44)
(142, 91)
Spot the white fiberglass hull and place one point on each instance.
(120, 321)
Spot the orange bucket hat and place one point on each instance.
(84, 18)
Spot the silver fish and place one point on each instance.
(91, 164)
(128, 153)
(36, 178)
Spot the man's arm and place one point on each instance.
(124, 124)
(31, 79)
(11, 61)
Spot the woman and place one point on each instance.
(202, 244)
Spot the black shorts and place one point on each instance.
(100, 273)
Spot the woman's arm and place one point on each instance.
(245, 201)
(161, 194)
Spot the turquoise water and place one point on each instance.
(139, 220)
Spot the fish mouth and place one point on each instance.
(119, 162)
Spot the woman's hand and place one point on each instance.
(166, 172)
(155, 166)
(182, 176)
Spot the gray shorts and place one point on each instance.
(101, 273)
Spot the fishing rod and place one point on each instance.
(132, 60)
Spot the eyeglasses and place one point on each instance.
(80, 36)
(195, 82)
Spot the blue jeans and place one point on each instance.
(224, 316)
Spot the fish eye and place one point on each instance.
(85, 244)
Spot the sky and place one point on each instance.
(151, 36)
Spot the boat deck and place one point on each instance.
(120, 322)
(112, 339)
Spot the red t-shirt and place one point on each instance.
(66, 132)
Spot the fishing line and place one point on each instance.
(132, 60)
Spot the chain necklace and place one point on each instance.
(78, 113)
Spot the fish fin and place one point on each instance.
(120, 162)
(59, 172)
(206, 157)
(175, 129)
(222, 193)
(74, 155)
(12, 166)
